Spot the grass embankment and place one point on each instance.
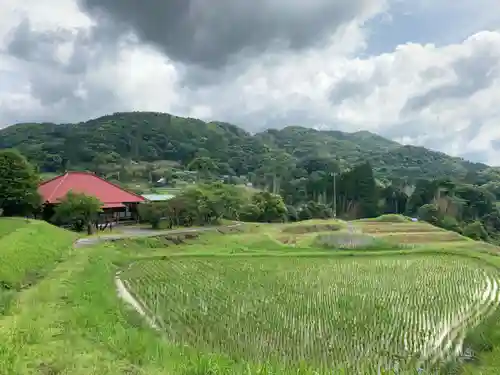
(73, 322)
(28, 250)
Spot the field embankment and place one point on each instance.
(29, 249)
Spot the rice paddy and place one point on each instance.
(330, 313)
(322, 297)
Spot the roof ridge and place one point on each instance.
(112, 184)
(63, 178)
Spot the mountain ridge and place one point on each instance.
(150, 136)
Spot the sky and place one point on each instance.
(420, 72)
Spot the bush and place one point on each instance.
(305, 214)
(250, 212)
(293, 215)
(429, 213)
(153, 212)
(450, 223)
(476, 231)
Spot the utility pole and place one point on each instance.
(335, 195)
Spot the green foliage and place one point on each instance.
(78, 210)
(450, 223)
(154, 212)
(200, 205)
(293, 214)
(430, 213)
(476, 231)
(271, 207)
(18, 185)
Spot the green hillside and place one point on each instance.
(388, 158)
(149, 137)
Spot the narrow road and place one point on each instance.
(139, 232)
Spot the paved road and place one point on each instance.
(128, 232)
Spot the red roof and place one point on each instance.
(52, 191)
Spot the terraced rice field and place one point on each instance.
(378, 227)
(329, 312)
(413, 237)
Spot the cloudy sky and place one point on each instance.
(424, 72)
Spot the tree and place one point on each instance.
(271, 206)
(18, 185)
(79, 210)
(367, 190)
(430, 213)
(154, 212)
(204, 165)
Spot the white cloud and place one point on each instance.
(445, 97)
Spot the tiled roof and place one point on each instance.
(87, 183)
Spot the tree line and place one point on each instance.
(314, 188)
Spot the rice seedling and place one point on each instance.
(331, 313)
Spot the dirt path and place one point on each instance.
(127, 297)
(138, 232)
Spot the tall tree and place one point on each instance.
(18, 185)
(366, 190)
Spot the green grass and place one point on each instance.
(71, 320)
(28, 251)
(9, 225)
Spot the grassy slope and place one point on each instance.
(29, 249)
(72, 322)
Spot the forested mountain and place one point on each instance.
(148, 136)
(388, 158)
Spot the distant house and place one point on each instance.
(117, 202)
